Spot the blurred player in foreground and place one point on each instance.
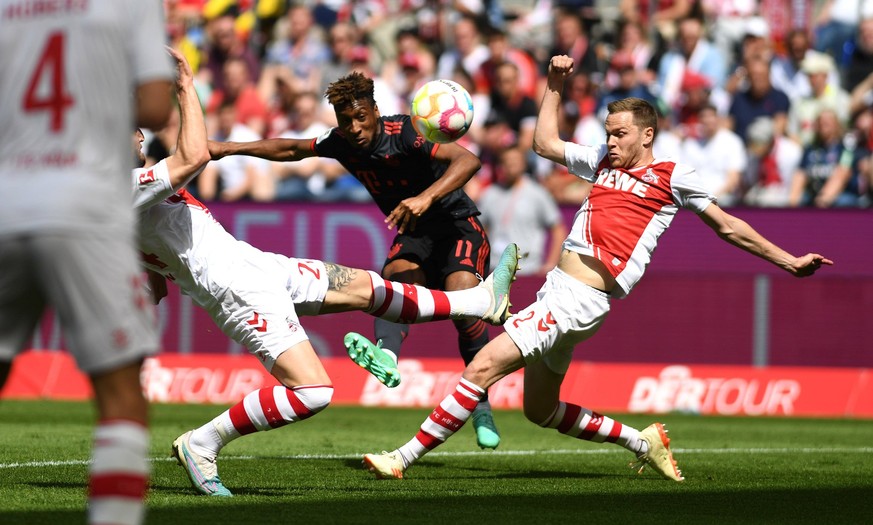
(632, 201)
(417, 184)
(68, 71)
(256, 297)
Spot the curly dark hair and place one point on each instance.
(351, 88)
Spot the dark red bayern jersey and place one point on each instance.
(398, 166)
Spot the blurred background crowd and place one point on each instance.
(770, 100)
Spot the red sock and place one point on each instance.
(444, 421)
(263, 409)
(581, 423)
(410, 303)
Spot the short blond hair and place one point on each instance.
(645, 115)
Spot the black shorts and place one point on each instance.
(444, 247)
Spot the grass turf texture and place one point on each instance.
(738, 470)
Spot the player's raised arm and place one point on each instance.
(279, 150)
(191, 153)
(740, 234)
(546, 142)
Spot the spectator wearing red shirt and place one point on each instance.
(695, 97)
(503, 51)
(242, 92)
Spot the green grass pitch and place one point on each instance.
(738, 470)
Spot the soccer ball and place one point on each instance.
(442, 111)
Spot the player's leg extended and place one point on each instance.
(547, 332)
(305, 390)
(499, 358)
(392, 332)
(352, 289)
(542, 406)
(392, 301)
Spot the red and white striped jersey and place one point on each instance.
(628, 210)
(68, 70)
(179, 238)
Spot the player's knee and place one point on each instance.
(315, 397)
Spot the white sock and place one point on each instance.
(206, 441)
(472, 302)
(119, 472)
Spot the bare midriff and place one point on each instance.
(587, 269)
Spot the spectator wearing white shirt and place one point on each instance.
(693, 52)
(235, 178)
(467, 49)
(314, 178)
(719, 156)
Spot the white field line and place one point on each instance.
(567, 452)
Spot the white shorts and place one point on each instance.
(565, 313)
(261, 310)
(93, 282)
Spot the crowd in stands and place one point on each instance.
(770, 100)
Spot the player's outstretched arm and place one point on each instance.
(191, 154)
(740, 234)
(279, 150)
(546, 142)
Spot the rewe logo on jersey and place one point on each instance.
(624, 181)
